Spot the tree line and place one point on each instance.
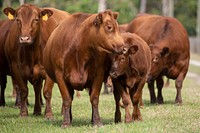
(184, 10)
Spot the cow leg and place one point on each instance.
(152, 92)
(37, 88)
(141, 101)
(136, 94)
(17, 91)
(159, 84)
(67, 99)
(94, 99)
(105, 91)
(117, 102)
(179, 83)
(47, 92)
(24, 96)
(3, 81)
(124, 93)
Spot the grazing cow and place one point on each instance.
(129, 72)
(74, 57)
(24, 44)
(170, 50)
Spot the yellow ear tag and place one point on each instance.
(45, 17)
(10, 16)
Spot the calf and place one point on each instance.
(24, 44)
(74, 57)
(129, 73)
(170, 50)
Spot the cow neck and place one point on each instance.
(85, 44)
(31, 53)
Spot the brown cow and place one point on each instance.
(4, 69)
(74, 57)
(26, 38)
(129, 72)
(170, 51)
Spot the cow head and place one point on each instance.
(28, 19)
(108, 36)
(158, 57)
(121, 63)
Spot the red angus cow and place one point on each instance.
(129, 73)
(74, 57)
(170, 49)
(24, 44)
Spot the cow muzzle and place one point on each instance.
(25, 40)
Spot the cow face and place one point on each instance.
(158, 57)
(120, 63)
(27, 18)
(109, 37)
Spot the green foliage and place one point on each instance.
(184, 10)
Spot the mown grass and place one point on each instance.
(167, 118)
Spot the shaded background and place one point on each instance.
(186, 11)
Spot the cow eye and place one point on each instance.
(122, 59)
(155, 60)
(37, 19)
(17, 20)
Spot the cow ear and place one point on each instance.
(9, 12)
(133, 49)
(98, 20)
(115, 15)
(45, 14)
(164, 52)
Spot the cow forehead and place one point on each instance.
(27, 13)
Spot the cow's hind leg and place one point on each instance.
(3, 82)
(47, 92)
(179, 83)
(136, 94)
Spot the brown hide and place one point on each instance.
(129, 73)
(170, 50)
(23, 48)
(74, 56)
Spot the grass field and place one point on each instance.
(167, 118)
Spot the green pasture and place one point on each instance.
(166, 118)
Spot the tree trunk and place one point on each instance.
(198, 26)
(143, 6)
(102, 5)
(21, 2)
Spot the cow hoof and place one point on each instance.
(160, 102)
(64, 125)
(2, 104)
(128, 121)
(99, 124)
(49, 117)
(37, 113)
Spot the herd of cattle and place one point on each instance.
(81, 50)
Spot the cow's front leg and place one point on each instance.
(117, 101)
(159, 84)
(67, 99)
(94, 99)
(152, 92)
(37, 88)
